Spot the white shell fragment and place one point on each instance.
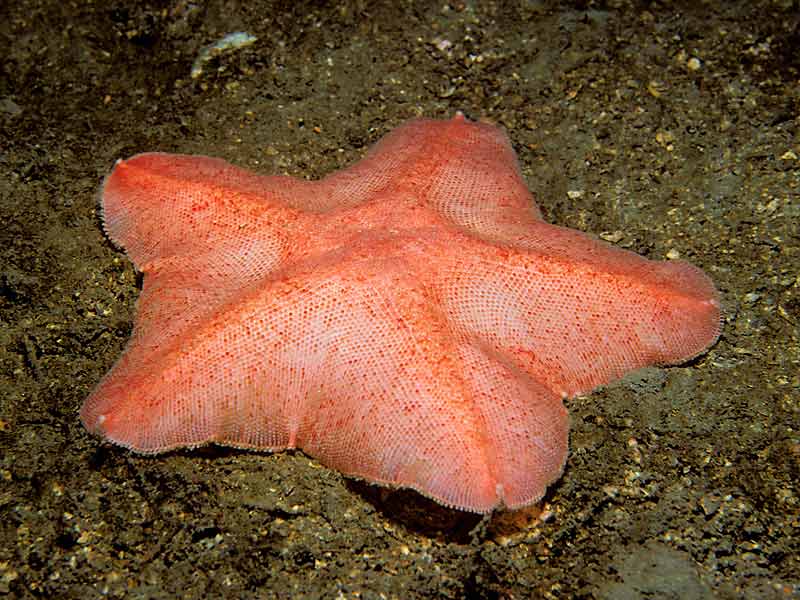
(232, 41)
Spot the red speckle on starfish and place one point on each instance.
(409, 320)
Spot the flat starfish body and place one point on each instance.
(409, 320)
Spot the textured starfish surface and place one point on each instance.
(410, 320)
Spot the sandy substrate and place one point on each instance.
(671, 130)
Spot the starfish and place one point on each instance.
(410, 320)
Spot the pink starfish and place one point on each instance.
(410, 320)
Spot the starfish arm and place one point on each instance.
(202, 231)
(466, 171)
(525, 422)
(575, 312)
(215, 217)
(389, 403)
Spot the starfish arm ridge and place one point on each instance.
(577, 321)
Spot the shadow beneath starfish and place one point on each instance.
(417, 513)
(212, 452)
(423, 516)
